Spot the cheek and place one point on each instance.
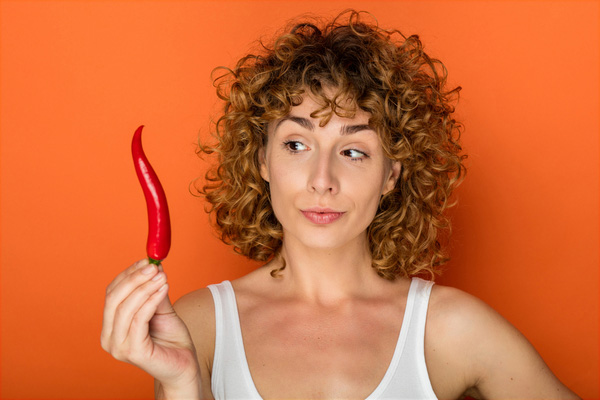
(283, 184)
(370, 198)
(280, 175)
(372, 190)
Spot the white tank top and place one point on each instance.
(406, 377)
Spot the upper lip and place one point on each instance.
(321, 210)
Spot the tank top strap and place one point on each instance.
(413, 362)
(230, 378)
(407, 377)
(418, 299)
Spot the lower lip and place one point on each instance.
(322, 218)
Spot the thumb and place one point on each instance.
(165, 306)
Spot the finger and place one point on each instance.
(139, 335)
(131, 269)
(120, 292)
(127, 309)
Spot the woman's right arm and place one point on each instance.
(141, 327)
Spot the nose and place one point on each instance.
(323, 175)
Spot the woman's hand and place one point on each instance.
(140, 327)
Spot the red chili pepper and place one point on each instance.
(159, 224)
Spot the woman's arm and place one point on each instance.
(487, 356)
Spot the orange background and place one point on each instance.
(78, 77)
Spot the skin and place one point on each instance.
(297, 329)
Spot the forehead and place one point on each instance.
(311, 112)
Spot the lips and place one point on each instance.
(322, 215)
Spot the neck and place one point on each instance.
(326, 275)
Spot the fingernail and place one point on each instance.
(158, 276)
(148, 270)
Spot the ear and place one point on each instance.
(264, 171)
(394, 174)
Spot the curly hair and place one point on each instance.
(383, 73)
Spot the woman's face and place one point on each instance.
(326, 182)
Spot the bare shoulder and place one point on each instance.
(195, 305)
(457, 310)
(197, 310)
(458, 318)
(470, 348)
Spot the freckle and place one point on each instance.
(511, 379)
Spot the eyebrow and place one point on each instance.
(303, 122)
(350, 129)
(307, 124)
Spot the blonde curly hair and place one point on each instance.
(382, 72)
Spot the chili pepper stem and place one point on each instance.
(153, 261)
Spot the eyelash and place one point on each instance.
(364, 155)
(287, 143)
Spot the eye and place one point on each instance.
(355, 155)
(294, 146)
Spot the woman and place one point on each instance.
(337, 156)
